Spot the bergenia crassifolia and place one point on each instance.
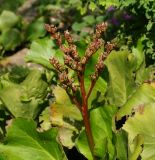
(73, 61)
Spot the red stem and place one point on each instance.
(91, 88)
(85, 113)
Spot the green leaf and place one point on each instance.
(149, 26)
(82, 145)
(67, 116)
(145, 74)
(101, 84)
(32, 82)
(18, 74)
(78, 26)
(92, 6)
(44, 119)
(10, 39)
(138, 53)
(101, 124)
(8, 19)
(138, 146)
(36, 29)
(23, 142)
(142, 123)
(89, 19)
(25, 99)
(40, 52)
(121, 83)
(109, 3)
(99, 117)
(11, 5)
(144, 95)
(122, 145)
(100, 87)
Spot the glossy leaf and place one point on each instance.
(142, 123)
(23, 142)
(138, 53)
(122, 145)
(40, 52)
(25, 99)
(99, 117)
(100, 87)
(103, 135)
(82, 145)
(145, 74)
(121, 83)
(144, 95)
(67, 116)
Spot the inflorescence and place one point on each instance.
(76, 63)
(72, 59)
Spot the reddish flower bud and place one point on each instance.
(68, 37)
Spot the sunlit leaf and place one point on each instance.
(122, 145)
(138, 53)
(82, 145)
(23, 142)
(92, 6)
(109, 3)
(44, 119)
(99, 117)
(145, 74)
(65, 115)
(121, 83)
(144, 95)
(142, 123)
(100, 87)
(25, 99)
(40, 52)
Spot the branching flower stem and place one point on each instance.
(73, 61)
(85, 113)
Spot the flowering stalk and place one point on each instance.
(73, 61)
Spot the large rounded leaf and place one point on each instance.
(101, 124)
(40, 52)
(142, 124)
(23, 142)
(121, 77)
(145, 94)
(25, 99)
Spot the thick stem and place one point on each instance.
(88, 130)
(85, 113)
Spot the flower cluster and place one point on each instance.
(71, 57)
(78, 94)
(96, 43)
(100, 64)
